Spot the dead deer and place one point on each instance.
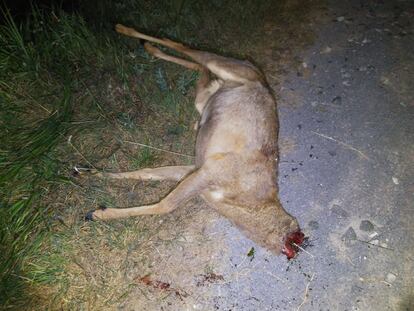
(236, 152)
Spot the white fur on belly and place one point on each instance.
(217, 195)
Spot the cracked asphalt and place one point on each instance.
(349, 178)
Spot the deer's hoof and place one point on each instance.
(82, 171)
(89, 216)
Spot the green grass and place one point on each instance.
(74, 93)
(29, 131)
(143, 159)
(40, 80)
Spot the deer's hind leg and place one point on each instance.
(226, 68)
(159, 54)
(205, 86)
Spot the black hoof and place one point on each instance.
(102, 207)
(80, 171)
(89, 216)
(75, 173)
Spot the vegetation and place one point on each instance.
(74, 93)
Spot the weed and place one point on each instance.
(144, 158)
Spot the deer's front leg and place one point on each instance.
(188, 188)
(176, 173)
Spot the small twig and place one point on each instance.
(350, 261)
(70, 144)
(159, 149)
(279, 279)
(87, 273)
(102, 112)
(22, 277)
(302, 249)
(390, 249)
(305, 296)
(363, 155)
(242, 272)
(83, 122)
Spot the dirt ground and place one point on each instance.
(346, 109)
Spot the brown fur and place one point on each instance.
(236, 149)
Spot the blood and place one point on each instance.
(161, 286)
(292, 239)
(154, 283)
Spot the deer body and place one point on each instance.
(236, 151)
(236, 143)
